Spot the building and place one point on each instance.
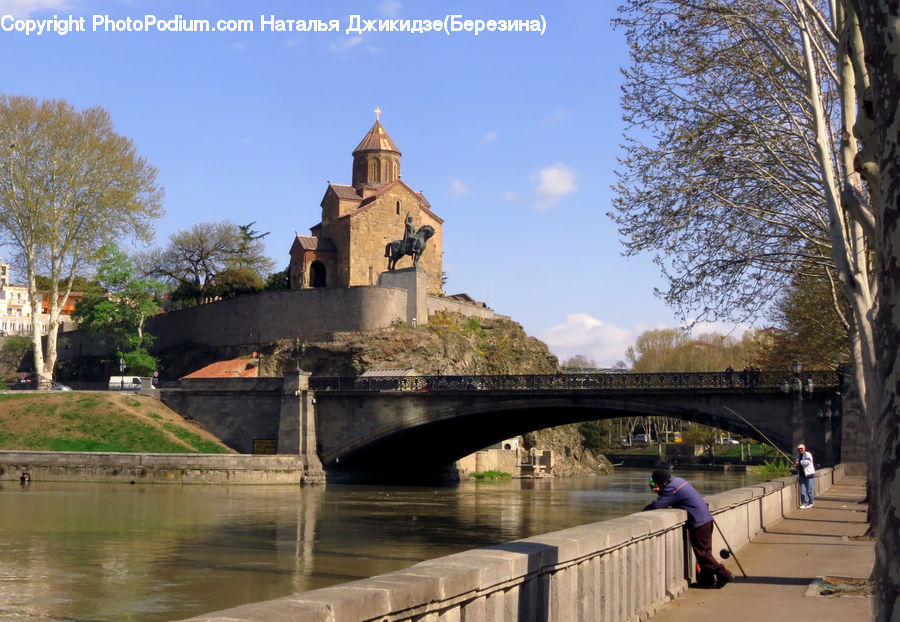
(347, 248)
(15, 306)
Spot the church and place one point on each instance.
(347, 248)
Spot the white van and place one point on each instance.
(124, 383)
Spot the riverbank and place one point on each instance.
(788, 563)
(627, 568)
(149, 468)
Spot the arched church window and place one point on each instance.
(317, 274)
(398, 208)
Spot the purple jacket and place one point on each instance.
(678, 493)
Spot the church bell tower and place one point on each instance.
(376, 161)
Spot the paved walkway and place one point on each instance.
(782, 563)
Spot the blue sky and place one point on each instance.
(512, 136)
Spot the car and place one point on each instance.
(730, 441)
(641, 438)
(58, 386)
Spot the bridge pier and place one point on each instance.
(297, 425)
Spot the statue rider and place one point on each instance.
(409, 239)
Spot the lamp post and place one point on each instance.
(825, 416)
(797, 403)
(299, 348)
(122, 372)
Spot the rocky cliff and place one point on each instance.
(450, 344)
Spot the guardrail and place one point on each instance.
(739, 380)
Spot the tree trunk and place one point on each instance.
(880, 23)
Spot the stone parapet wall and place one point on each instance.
(270, 316)
(623, 569)
(264, 317)
(77, 466)
(436, 304)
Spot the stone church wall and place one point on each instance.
(380, 224)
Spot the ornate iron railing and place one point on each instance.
(739, 380)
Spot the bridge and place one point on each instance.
(355, 427)
(402, 424)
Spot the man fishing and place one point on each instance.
(678, 493)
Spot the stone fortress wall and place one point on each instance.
(290, 314)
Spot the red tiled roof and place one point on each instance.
(345, 192)
(235, 368)
(311, 243)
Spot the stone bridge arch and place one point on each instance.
(410, 432)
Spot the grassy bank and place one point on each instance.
(98, 421)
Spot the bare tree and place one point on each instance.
(807, 96)
(69, 184)
(201, 261)
(739, 173)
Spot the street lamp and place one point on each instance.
(299, 348)
(797, 368)
(122, 372)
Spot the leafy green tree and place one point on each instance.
(279, 280)
(209, 260)
(116, 310)
(807, 328)
(79, 283)
(675, 350)
(69, 184)
(595, 435)
(579, 361)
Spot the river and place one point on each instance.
(104, 552)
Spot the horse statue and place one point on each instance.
(413, 245)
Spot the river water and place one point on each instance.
(92, 552)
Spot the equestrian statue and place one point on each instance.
(412, 244)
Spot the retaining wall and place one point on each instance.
(71, 466)
(623, 569)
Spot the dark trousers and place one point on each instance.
(701, 542)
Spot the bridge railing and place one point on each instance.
(742, 380)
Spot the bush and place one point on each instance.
(772, 469)
(491, 475)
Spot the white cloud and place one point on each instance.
(510, 196)
(490, 136)
(558, 116)
(389, 7)
(582, 334)
(24, 8)
(345, 43)
(459, 188)
(553, 183)
(606, 343)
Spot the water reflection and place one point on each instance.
(116, 552)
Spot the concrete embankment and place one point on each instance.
(69, 466)
(625, 569)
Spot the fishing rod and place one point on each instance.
(758, 431)
(729, 552)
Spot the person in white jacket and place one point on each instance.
(806, 470)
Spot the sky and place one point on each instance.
(513, 137)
